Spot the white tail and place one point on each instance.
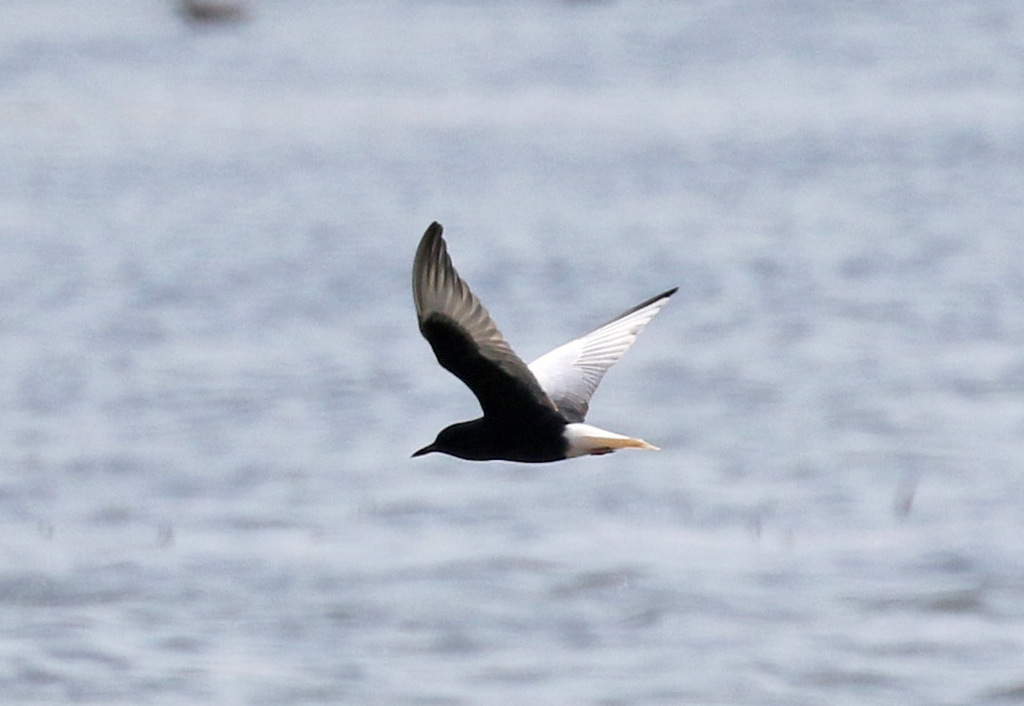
(584, 439)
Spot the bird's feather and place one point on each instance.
(465, 339)
(570, 373)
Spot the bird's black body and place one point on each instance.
(518, 424)
(534, 441)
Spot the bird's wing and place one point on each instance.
(570, 373)
(465, 339)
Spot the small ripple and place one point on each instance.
(182, 644)
(956, 601)
(1010, 694)
(513, 675)
(595, 581)
(37, 676)
(94, 657)
(36, 590)
(848, 678)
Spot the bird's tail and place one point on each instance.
(584, 439)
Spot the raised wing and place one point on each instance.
(570, 373)
(465, 340)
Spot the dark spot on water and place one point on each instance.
(1012, 694)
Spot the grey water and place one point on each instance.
(212, 378)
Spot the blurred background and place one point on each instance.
(212, 376)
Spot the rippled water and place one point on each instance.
(213, 378)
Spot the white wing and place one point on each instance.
(570, 373)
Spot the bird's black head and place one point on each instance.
(463, 440)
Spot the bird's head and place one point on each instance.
(461, 440)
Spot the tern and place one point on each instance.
(531, 413)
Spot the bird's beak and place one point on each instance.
(424, 450)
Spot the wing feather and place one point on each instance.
(570, 373)
(465, 339)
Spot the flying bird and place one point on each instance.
(531, 413)
(211, 11)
